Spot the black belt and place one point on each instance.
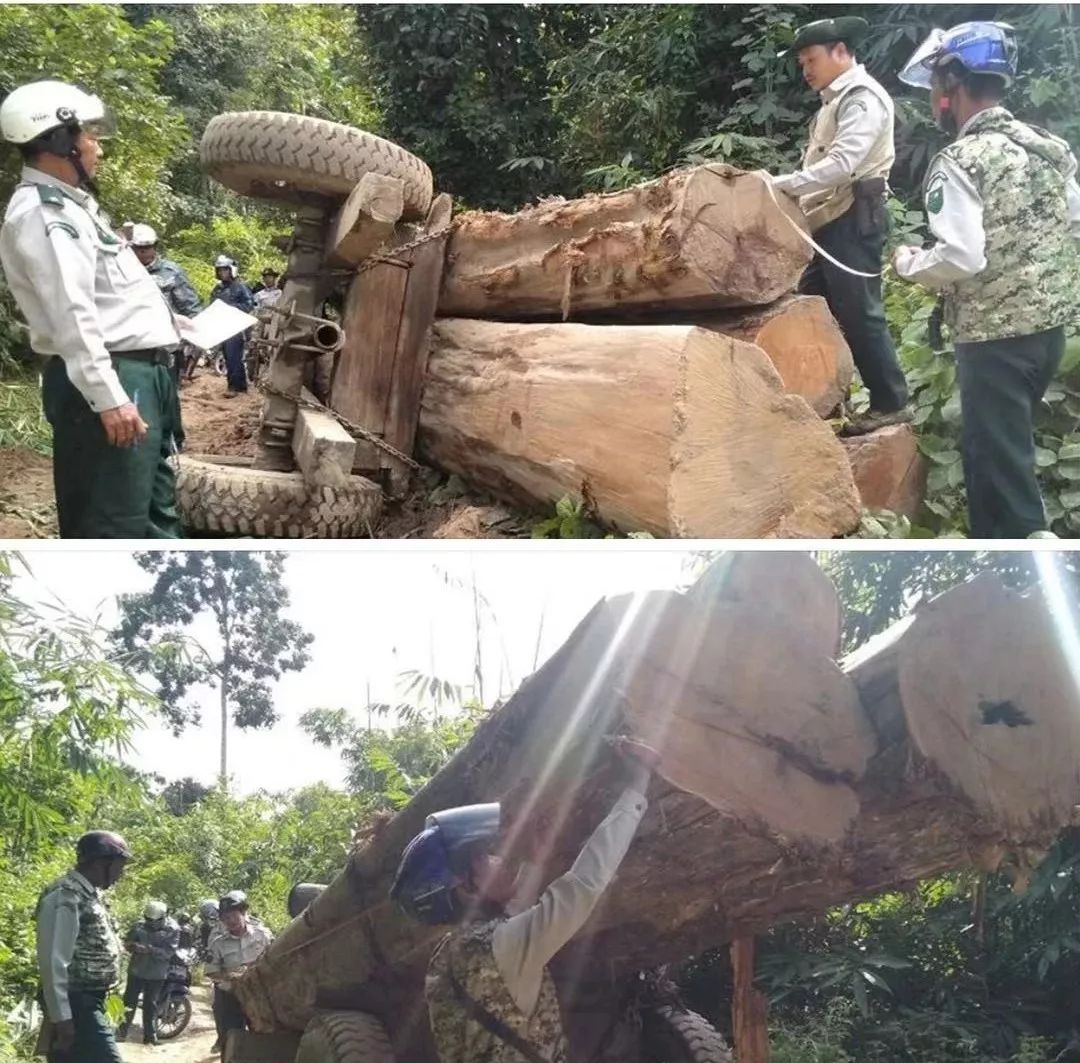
(158, 355)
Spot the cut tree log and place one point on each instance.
(889, 471)
(664, 428)
(699, 875)
(380, 371)
(695, 239)
(803, 341)
(366, 220)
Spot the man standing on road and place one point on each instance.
(842, 189)
(489, 993)
(1003, 205)
(230, 289)
(171, 280)
(238, 943)
(151, 942)
(78, 953)
(97, 318)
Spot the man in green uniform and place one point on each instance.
(97, 318)
(1003, 205)
(78, 952)
(490, 996)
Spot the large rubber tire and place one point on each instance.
(217, 494)
(344, 1037)
(272, 155)
(676, 1036)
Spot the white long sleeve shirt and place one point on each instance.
(524, 943)
(861, 120)
(959, 252)
(83, 293)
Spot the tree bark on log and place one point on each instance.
(667, 429)
(695, 239)
(803, 341)
(702, 873)
(749, 1015)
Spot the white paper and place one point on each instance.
(217, 323)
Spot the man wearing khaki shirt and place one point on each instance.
(98, 320)
(239, 941)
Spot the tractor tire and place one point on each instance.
(344, 1037)
(676, 1036)
(227, 496)
(270, 155)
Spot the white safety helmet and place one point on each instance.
(31, 111)
(155, 910)
(224, 262)
(142, 236)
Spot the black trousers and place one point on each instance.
(856, 304)
(228, 1015)
(1002, 383)
(150, 989)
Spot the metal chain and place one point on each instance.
(385, 252)
(354, 430)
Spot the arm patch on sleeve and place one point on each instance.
(65, 226)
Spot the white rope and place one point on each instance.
(764, 179)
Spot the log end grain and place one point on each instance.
(889, 471)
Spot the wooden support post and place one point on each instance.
(324, 451)
(748, 1011)
(366, 221)
(380, 373)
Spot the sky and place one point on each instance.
(374, 614)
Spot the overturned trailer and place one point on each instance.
(790, 782)
(639, 350)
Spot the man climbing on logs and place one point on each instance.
(1003, 205)
(841, 189)
(490, 996)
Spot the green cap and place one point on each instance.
(847, 28)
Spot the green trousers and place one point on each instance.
(107, 492)
(94, 1040)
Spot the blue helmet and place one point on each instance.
(438, 857)
(978, 47)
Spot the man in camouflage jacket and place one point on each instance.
(1004, 206)
(78, 953)
(490, 996)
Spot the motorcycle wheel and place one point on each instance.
(174, 1014)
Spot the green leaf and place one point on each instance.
(1069, 452)
(1068, 470)
(1045, 458)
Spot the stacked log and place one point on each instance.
(582, 389)
(789, 782)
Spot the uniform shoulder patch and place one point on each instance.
(935, 193)
(63, 226)
(50, 195)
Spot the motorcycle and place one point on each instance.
(174, 1000)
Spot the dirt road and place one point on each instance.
(192, 1046)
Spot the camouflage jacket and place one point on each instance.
(161, 940)
(174, 285)
(1030, 281)
(95, 963)
(468, 953)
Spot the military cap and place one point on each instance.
(847, 28)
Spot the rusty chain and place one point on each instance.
(355, 430)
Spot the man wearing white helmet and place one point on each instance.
(232, 290)
(151, 942)
(96, 317)
(171, 280)
(1003, 206)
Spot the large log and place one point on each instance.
(663, 428)
(703, 873)
(803, 341)
(695, 239)
(889, 471)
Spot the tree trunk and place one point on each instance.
(801, 339)
(917, 714)
(748, 1010)
(695, 239)
(667, 429)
